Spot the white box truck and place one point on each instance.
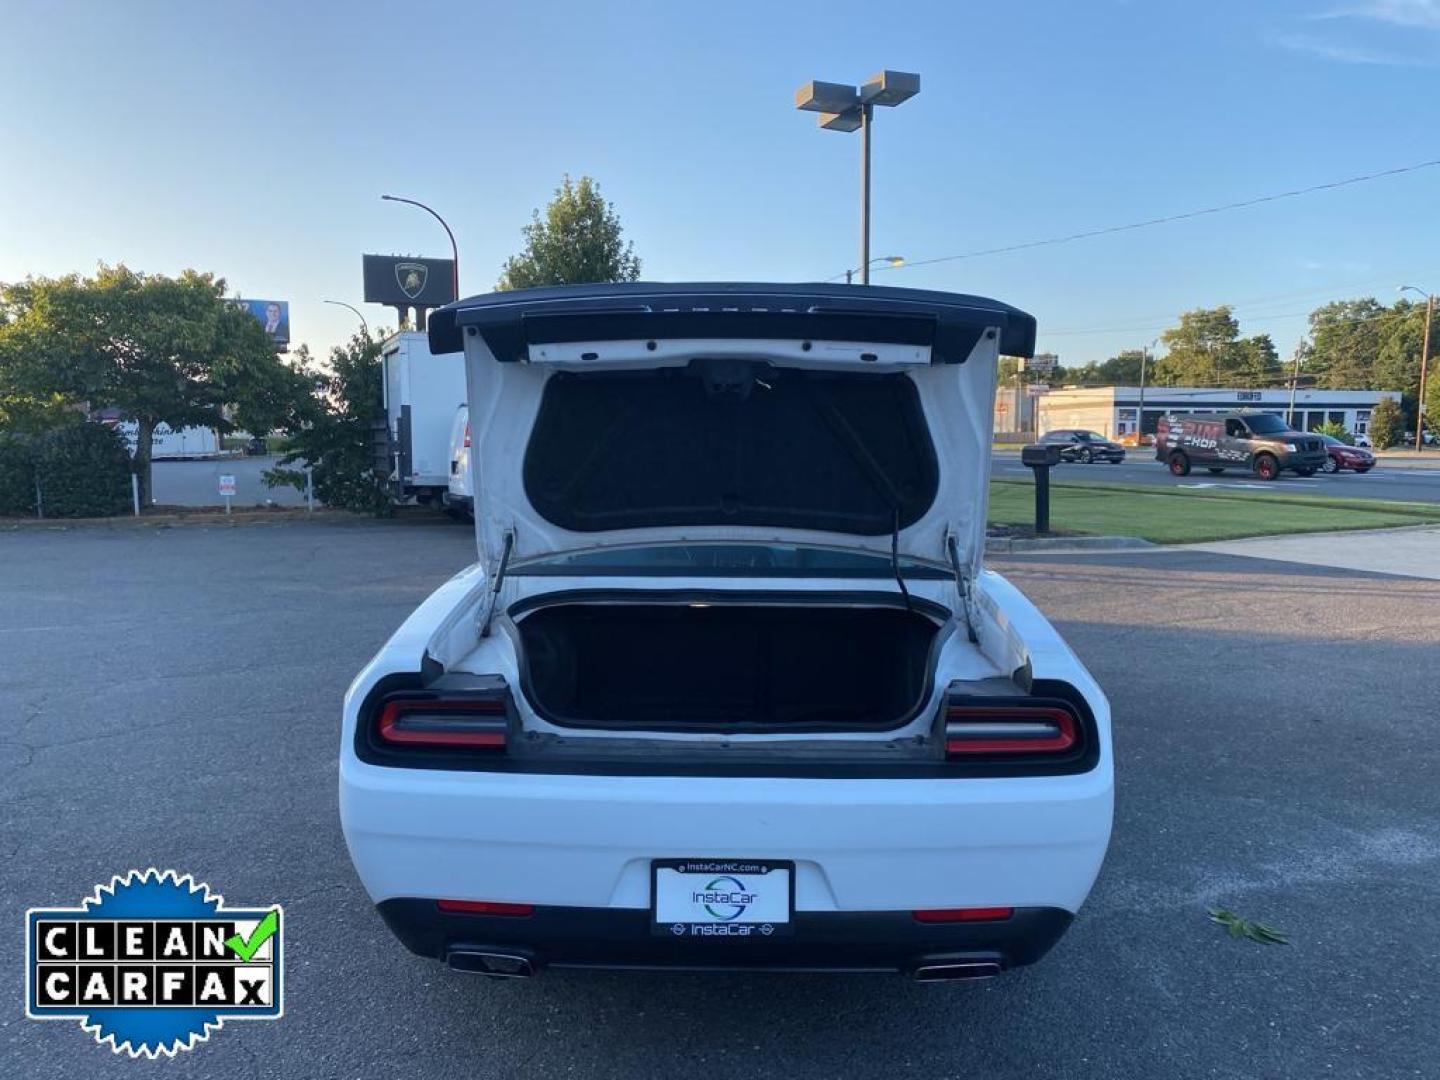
(421, 393)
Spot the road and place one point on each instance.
(172, 699)
(1392, 483)
(196, 483)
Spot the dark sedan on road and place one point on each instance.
(1086, 446)
(1341, 455)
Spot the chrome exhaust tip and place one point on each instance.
(954, 972)
(495, 965)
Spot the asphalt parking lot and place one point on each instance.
(171, 699)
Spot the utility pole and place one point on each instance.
(1140, 412)
(1424, 363)
(1294, 381)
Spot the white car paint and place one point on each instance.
(859, 844)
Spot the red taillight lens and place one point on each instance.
(1009, 729)
(465, 722)
(467, 436)
(962, 914)
(484, 907)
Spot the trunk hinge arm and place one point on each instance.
(962, 583)
(487, 609)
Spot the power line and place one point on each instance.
(1223, 208)
(1383, 313)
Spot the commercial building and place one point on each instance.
(1114, 410)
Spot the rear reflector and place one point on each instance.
(484, 907)
(474, 723)
(962, 914)
(1008, 729)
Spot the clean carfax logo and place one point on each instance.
(153, 962)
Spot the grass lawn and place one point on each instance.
(1179, 517)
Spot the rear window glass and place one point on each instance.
(731, 445)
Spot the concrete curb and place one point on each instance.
(1000, 545)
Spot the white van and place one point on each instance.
(460, 496)
(729, 686)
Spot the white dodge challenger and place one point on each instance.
(728, 687)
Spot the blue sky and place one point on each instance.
(255, 141)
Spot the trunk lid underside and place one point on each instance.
(614, 415)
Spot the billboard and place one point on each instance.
(274, 315)
(409, 282)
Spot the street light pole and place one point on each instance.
(846, 107)
(341, 303)
(890, 260)
(867, 118)
(454, 248)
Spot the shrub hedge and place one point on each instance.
(83, 471)
(17, 475)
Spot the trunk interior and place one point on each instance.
(727, 667)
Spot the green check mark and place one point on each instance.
(244, 948)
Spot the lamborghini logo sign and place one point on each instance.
(410, 276)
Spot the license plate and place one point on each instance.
(721, 898)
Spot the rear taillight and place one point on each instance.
(463, 722)
(979, 728)
(467, 436)
(484, 907)
(962, 914)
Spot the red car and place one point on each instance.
(1341, 455)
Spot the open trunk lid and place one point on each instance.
(852, 417)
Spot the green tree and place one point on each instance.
(1206, 350)
(1385, 424)
(1397, 362)
(1336, 430)
(1344, 344)
(336, 434)
(160, 349)
(578, 240)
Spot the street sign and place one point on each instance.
(1035, 389)
(227, 484)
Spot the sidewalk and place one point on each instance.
(1408, 552)
(1408, 459)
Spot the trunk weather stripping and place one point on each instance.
(952, 548)
(487, 613)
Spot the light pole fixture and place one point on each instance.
(1424, 362)
(893, 261)
(843, 107)
(454, 248)
(341, 303)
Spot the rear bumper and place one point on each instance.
(858, 845)
(875, 941)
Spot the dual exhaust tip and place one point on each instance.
(495, 965)
(957, 970)
(514, 966)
